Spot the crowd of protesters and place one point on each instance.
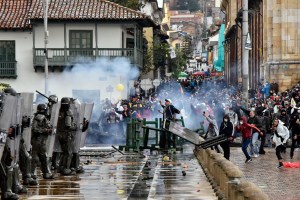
(252, 119)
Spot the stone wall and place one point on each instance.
(226, 178)
(282, 42)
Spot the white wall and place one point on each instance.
(110, 36)
(62, 84)
(27, 80)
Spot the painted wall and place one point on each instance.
(62, 83)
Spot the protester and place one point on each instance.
(169, 113)
(226, 129)
(246, 130)
(295, 128)
(281, 135)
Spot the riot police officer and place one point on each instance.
(9, 169)
(66, 133)
(41, 128)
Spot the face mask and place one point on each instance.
(225, 120)
(298, 111)
(241, 122)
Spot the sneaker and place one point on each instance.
(255, 155)
(248, 160)
(280, 165)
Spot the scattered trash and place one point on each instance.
(88, 162)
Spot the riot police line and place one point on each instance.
(53, 134)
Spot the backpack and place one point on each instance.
(262, 123)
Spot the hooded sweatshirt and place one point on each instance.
(246, 129)
(281, 135)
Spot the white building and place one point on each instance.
(81, 34)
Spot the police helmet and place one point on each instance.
(42, 108)
(53, 98)
(65, 103)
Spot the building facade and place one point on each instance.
(281, 50)
(274, 33)
(80, 34)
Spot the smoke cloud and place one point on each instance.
(94, 75)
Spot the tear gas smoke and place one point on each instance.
(94, 75)
(90, 81)
(210, 97)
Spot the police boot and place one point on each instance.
(55, 158)
(28, 180)
(8, 194)
(17, 187)
(66, 166)
(45, 169)
(76, 163)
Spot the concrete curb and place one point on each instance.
(226, 178)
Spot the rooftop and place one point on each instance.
(16, 14)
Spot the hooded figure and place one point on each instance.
(281, 135)
(226, 129)
(246, 130)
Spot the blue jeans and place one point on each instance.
(245, 145)
(254, 149)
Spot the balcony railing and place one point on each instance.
(8, 69)
(68, 57)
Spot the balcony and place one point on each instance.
(60, 57)
(8, 69)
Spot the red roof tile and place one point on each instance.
(15, 14)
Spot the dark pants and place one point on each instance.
(294, 142)
(226, 148)
(245, 144)
(279, 149)
(262, 143)
(66, 140)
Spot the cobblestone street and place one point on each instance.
(276, 183)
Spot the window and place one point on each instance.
(177, 46)
(7, 59)
(81, 40)
(7, 50)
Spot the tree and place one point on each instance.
(133, 4)
(178, 62)
(155, 56)
(191, 5)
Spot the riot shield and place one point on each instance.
(27, 114)
(52, 144)
(7, 106)
(3, 137)
(16, 122)
(87, 109)
(78, 113)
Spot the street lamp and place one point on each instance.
(45, 6)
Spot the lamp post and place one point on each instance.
(45, 6)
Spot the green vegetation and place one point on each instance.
(191, 5)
